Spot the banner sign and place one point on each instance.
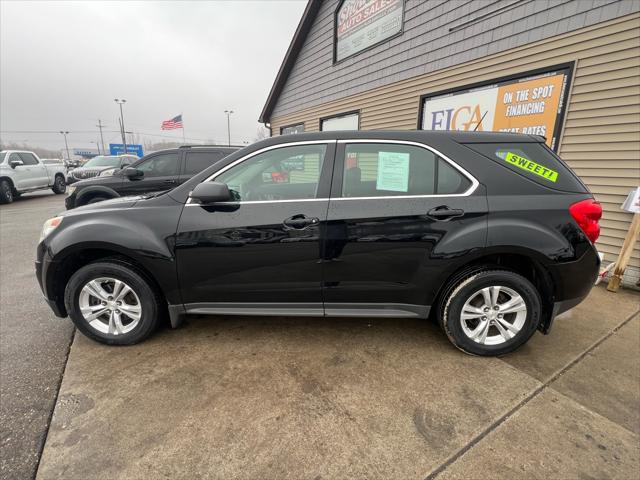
(534, 105)
(118, 149)
(361, 24)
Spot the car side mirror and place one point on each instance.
(131, 173)
(211, 192)
(16, 163)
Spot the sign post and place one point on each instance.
(632, 204)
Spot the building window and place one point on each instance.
(532, 103)
(299, 128)
(345, 121)
(361, 24)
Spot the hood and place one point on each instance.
(97, 180)
(112, 204)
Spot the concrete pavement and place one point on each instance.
(353, 398)
(33, 343)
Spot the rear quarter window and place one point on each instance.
(533, 161)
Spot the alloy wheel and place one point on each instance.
(110, 306)
(493, 315)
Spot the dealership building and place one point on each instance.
(568, 70)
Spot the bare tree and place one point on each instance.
(261, 133)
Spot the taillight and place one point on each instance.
(586, 214)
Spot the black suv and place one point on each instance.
(489, 233)
(157, 171)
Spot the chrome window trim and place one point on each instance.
(474, 182)
(471, 178)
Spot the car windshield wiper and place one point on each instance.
(155, 194)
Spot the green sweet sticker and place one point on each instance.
(531, 166)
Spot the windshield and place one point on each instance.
(103, 161)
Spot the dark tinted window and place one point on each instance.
(28, 158)
(532, 160)
(450, 180)
(198, 161)
(163, 165)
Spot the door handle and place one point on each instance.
(444, 213)
(169, 181)
(300, 222)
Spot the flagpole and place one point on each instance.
(184, 142)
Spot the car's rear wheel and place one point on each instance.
(6, 192)
(490, 312)
(112, 303)
(59, 185)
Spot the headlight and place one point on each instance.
(70, 190)
(107, 173)
(49, 226)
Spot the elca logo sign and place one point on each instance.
(466, 117)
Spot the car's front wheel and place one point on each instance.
(113, 303)
(490, 312)
(59, 185)
(6, 192)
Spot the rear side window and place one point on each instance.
(387, 170)
(198, 161)
(532, 160)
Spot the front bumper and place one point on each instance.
(45, 268)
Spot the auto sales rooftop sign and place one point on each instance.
(360, 24)
(528, 104)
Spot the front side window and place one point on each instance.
(382, 170)
(28, 159)
(288, 173)
(164, 165)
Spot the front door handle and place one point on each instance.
(170, 181)
(300, 222)
(444, 213)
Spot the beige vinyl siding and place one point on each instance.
(601, 135)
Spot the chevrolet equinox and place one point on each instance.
(489, 233)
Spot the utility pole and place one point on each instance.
(124, 138)
(99, 125)
(66, 145)
(228, 112)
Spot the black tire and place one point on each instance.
(461, 290)
(149, 298)
(96, 199)
(6, 192)
(59, 185)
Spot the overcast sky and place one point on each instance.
(63, 63)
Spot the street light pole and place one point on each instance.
(66, 145)
(124, 138)
(228, 112)
(101, 137)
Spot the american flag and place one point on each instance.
(175, 122)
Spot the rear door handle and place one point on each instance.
(300, 222)
(443, 212)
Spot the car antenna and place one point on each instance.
(480, 122)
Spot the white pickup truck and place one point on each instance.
(22, 172)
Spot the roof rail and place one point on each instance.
(210, 146)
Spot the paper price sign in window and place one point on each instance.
(393, 171)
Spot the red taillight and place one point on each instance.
(586, 214)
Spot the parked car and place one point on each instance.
(96, 165)
(161, 170)
(489, 233)
(22, 172)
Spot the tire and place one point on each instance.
(59, 185)
(484, 330)
(96, 199)
(6, 192)
(80, 296)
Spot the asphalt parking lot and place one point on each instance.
(248, 397)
